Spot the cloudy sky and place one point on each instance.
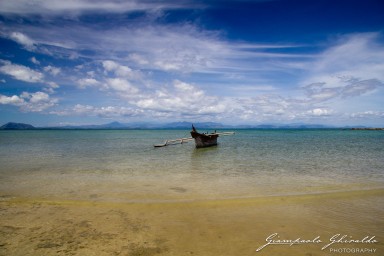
(234, 62)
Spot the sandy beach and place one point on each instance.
(33, 226)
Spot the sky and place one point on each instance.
(233, 62)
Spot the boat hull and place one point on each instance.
(204, 140)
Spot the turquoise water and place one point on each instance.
(123, 165)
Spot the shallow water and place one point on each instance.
(112, 193)
(124, 165)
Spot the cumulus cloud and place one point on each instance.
(52, 70)
(23, 39)
(319, 112)
(26, 74)
(121, 85)
(52, 85)
(104, 112)
(29, 102)
(121, 70)
(11, 100)
(182, 98)
(369, 114)
(115, 78)
(139, 59)
(34, 61)
(20, 72)
(87, 82)
(37, 102)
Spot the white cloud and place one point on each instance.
(353, 55)
(20, 72)
(341, 88)
(357, 57)
(29, 102)
(121, 85)
(184, 87)
(52, 70)
(361, 87)
(318, 92)
(82, 109)
(104, 112)
(12, 100)
(110, 65)
(184, 48)
(87, 82)
(121, 70)
(52, 85)
(351, 68)
(319, 112)
(34, 61)
(139, 59)
(23, 39)
(36, 97)
(59, 7)
(368, 114)
(182, 98)
(29, 75)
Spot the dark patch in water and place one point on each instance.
(178, 189)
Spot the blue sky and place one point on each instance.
(234, 62)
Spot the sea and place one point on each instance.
(124, 166)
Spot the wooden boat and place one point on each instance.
(203, 140)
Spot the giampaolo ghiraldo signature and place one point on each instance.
(274, 239)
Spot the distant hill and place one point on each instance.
(292, 126)
(188, 125)
(173, 125)
(17, 126)
(145, 125)
(108, 126)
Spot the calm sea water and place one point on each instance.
(124, 165)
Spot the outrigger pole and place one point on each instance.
(173, 142)
(185, 140)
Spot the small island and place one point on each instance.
(367, 129)
(17, 126)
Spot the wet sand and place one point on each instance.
(236, 226)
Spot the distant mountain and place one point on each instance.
(284, 126)
(16, 126)
(174, 125)
(144, 125)
(188, 125)
(295, 126)
(113, 125)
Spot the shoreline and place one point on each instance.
(198, 201)
(32, 226)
